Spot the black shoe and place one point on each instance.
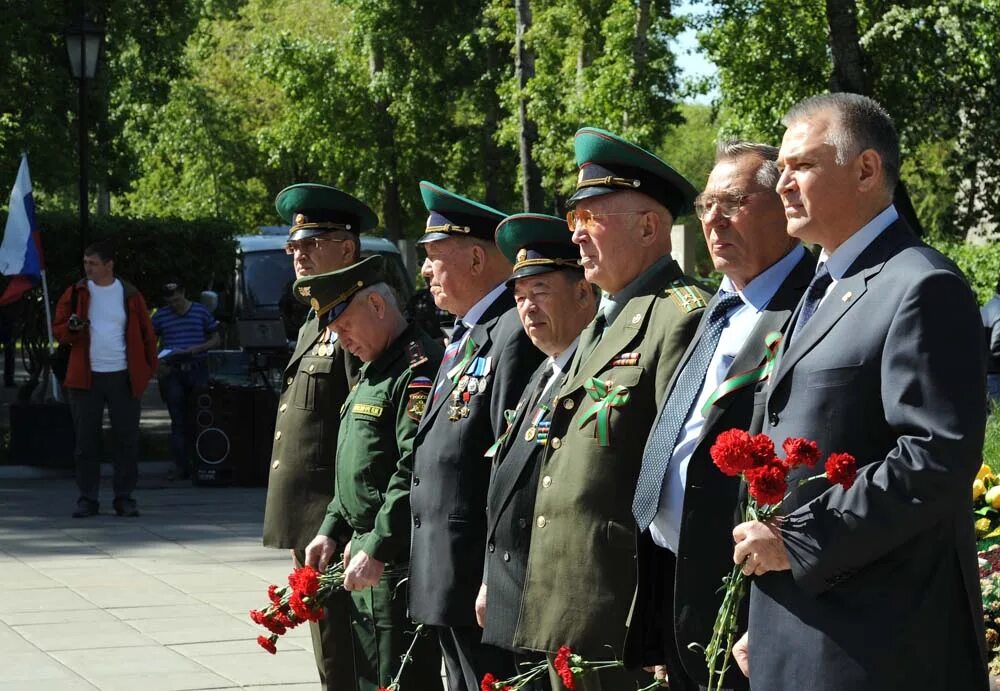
(126, 506)
(86, 508)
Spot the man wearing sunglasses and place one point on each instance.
(684, 506)
(324, 236)
(580, 576)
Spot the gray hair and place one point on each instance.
(860, 123)
(383, 290)
(767, 171)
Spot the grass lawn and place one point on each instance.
(991, 449)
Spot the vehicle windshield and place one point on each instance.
(266, 280)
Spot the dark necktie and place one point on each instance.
(449, 356)
(675, 411)
(540, 387)
(813, 296)
(591, 336)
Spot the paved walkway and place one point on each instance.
(154, 603)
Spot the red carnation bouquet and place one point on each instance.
(303, 599)
(568, 665)
(753, 458)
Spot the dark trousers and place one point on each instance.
(467, 659)
(382, 635)
(177, 389)
(332, 642)
(87, 407)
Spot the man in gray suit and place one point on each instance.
(684, 505)
(873, 587)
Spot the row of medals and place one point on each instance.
(467, 387)
(325, 348)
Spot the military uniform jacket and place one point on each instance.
(451, 474)
(510, 509)
(301, 478)
(378, 421)
(581, 572)
(705, 553)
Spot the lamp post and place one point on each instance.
(83, 46)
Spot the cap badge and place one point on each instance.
(522, 254)
(300, 219)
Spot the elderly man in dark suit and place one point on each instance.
(555, 303)
(484, 372)
(684, 505)
(874, 587)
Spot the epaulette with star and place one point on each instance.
(415, 351)
(684, 295)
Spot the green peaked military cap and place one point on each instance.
(610, 164)
(536, 244)
(312, 209)
(452, 215)
(330, 293)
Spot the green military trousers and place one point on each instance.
(383, 633)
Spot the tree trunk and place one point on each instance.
(524, 70)
(392, 209)
(491, 119)
(640, 46)
(852, 73)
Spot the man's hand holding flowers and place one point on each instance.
(759, 548)
(363, 571)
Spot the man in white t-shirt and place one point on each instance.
(112, 357)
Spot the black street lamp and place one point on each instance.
(83, 45)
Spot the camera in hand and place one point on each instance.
(75, 323)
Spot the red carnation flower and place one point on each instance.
(300, 608)
(800, 452)
(732, 452)
(762, 450)
(768, 483)
(267, 644)
(305, 580)
(256, 616)
(272, 594)
(562, 666)
(274, 626)
(487, 683)
(841, 469)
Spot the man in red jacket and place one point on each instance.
(112, 358)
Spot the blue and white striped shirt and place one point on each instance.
(183, 331)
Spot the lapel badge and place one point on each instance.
(305, 291)
(637, 318)
(314, 303)
(847, 296)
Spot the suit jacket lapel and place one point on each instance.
(481, 337)
(308, 334)
(516, 453)
(845, 294)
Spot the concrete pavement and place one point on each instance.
(155, 603)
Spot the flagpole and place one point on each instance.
(48, 325)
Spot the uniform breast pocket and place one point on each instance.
(314, 375)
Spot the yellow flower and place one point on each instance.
(984, 472)
(982, 527)
(993, 497)
(978, 489)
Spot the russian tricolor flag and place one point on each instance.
(21, 250)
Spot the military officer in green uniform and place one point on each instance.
(324, 236)
(555, 303)
(370, 509)
(581, 572)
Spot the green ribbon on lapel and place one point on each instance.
(509, 416)
(606, 398)
(455, 372)
(772, 341)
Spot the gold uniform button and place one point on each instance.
(276, 464)
(277, 435)
(541, 522)
(568, 404)
(289, 381)
(284, 407)
(555, 443)
(530, 434)
(546, 481)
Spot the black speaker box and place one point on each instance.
(234, 429)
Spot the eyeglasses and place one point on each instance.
(588, 219)
(728, 203)
(308, 245)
